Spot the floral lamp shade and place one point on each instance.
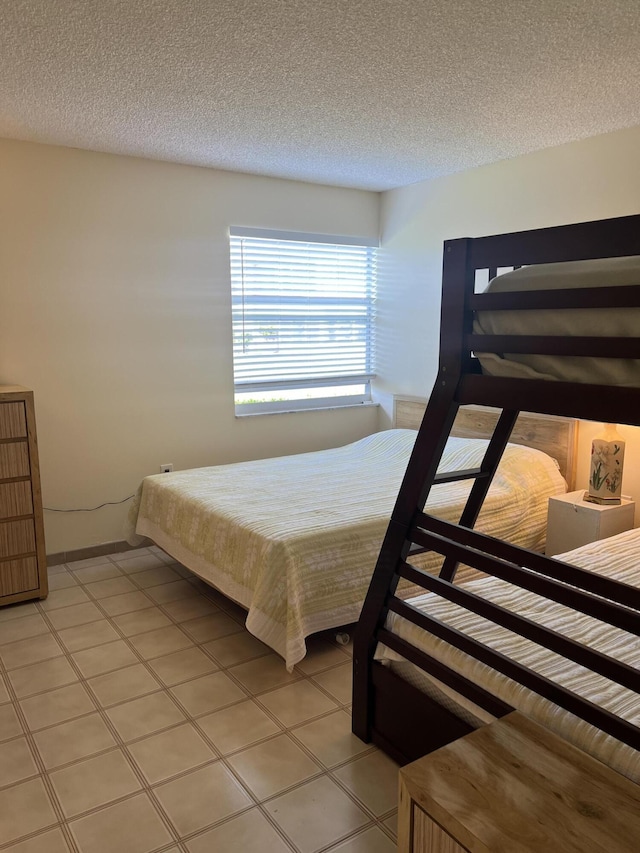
(607, 463)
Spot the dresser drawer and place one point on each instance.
(23, 562)
(17, 537)
(13, 420)
(15, 499)
(14, 459)
(18, 575)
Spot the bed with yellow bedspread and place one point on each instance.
(295, 539)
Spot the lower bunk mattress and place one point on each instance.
(617, 558)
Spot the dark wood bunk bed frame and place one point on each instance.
(397, 716)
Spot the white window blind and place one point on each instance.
(303, 311)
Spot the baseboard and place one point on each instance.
(93, 551)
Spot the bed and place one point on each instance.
(294, 539)
(557, 638)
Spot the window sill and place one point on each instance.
(293, 410)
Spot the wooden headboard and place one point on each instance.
(554, 435)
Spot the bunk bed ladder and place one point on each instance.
(422, 474)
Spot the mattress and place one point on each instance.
(609, 322)
(295, 539)
(617, 558)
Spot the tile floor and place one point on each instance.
(137, 715)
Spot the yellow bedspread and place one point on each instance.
(295, 539)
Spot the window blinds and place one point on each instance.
(303, 310)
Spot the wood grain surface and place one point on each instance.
(514, 787)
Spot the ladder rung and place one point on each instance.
(465, 474)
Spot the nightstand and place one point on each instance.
(573, 522)
(515, 787)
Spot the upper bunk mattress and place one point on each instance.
(607, 322)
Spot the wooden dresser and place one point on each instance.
(514, 787)
(23, 563)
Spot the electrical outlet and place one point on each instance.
(166, 467)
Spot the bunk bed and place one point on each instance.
(558, 335)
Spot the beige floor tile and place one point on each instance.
(190, 608)
(4, 695)
(178, 568)
(124, 684)
(182, 666)
(201, 798)
(94, 782)
(132, 826)
(56, 706)
(51, 841)
(273, 766)
(17, 611)
(211, 627)
(73, 740)
(145, 716)
(61, 580)
(237, 648)
(100, 572)
(42, 676)
(337, 682)
(90, 561)
(330, 739)
(26, 652)
(22, 629)
(371, 841)
(25, 808)
(230, 607)
(155, 577)
(297, 703)
(173, 591)
(130, 553)
(78, 614)
(87, 636)
(10, 724)
(64, 598)
(104, 658)
(16, 762)
(316, 814)
(392, 824)
(373, 779)
(208, 693)
(320, 655)
(169, 753)
(163, 641)
(237, 726)
(132, 563)
(263, 674)
(250, 832)
(127, 603)
(109, 587)
(141, 621)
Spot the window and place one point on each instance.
(303, 330)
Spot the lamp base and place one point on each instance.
(592, 499)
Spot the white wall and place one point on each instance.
(115, 308)
(592, 179)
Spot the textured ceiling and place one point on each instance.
(362, 93)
